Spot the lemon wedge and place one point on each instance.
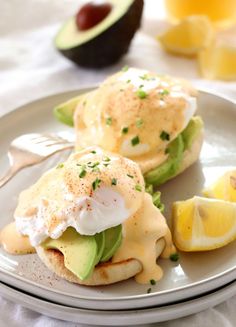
(218, 62)
(224, 188)
(188, 37)
(201, 224)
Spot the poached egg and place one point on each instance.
(91, 192)
(135, 113)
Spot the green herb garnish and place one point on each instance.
(82, 173)
(128, 81)
(125, 68)
(164, 92)
(125, 130)
(109, 121)
(165, 136)
(144, 77)
(139, 123)
(130, 176)
(60, 165)
(107, 159)
(141, 94)
(174, 257)
(149, 290)
(93, 152)
(138, 187)
(114, 181)
(135, 141)
(152, 282)
(96, 183)
(167, 150)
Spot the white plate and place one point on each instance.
(193, 275)
(120, 318)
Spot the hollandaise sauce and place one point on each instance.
(141, 232)
(13, 242)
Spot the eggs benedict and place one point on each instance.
(91, 221)
(143, 116)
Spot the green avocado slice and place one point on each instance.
(100, 239)
(113, 238)
(168, 169)
(104, 43)
(64, 112)
(80, 251)
(191, 131)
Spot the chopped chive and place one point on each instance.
(149, 189)
(94, 164)
(82, 173)
(138, 187)
(174, 257)
(140, 86)
(144, 77)
(135, 141)
(109, 121)
(107, 159)
(139, 123)
(149, 290)
(130, 176)
(141, 94)
(96, 183)
(165, 136)
(125, 68)
(106, 164)
(128, 81)
(114, 181)
(125, 130)
(93, 152)
(164, 92)
(152, 282)
(60, 165)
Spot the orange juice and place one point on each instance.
(221, 12)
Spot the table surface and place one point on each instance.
(31, 68)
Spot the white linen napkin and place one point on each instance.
(30, 68)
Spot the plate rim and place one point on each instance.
(148, 315)
(229, 272)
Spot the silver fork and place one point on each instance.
(30, 149)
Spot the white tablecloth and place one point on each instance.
(31, 68)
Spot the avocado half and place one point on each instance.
(105, 43)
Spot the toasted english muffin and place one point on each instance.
(103, 274)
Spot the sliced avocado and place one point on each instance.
(113, 238)
(106, 42)
(80, 251)
(64, 112)
(168, 169)
(100, 239)
(191, 131)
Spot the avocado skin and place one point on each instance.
(108, 47)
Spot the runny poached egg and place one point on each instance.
(135, 113)
(91, 192)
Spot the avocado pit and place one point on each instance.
(91, 14)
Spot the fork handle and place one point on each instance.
(9, 174)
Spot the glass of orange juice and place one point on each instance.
(221, 12)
